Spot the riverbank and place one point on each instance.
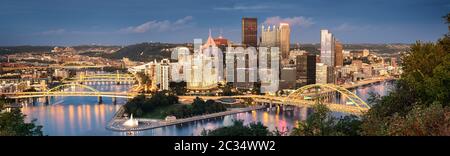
(145, 124)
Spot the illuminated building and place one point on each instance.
(321, 73)
(327, 42)
(241, 67)
(164, 74)
(285, 40)
(339, 62)
(206, 68)
(306, 69)
(249, 32)
(277, 37)
(270, 37)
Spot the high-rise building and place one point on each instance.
(249, 32)
(164, 75)
(288, 77)
(331, 75)
(270, 37)
(306, 69)
(285, 40)
(394, 62)
(321, 73)
(339, 57)
(205, 68)
(327, 46)
(241, 67)
(269, 69)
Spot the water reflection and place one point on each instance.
(84, 116)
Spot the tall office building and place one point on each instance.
(269, 69)
(164, 75)
(327, 45)
(249, 32)
(306, 69)
(270, 37)
(241, 67)
(205, 68)
(285, 40)
(339, 57)
(321, 73)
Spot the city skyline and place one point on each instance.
(111, 23)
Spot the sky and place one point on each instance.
(124, 22)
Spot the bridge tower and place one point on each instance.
(117, 77)
(100, 100)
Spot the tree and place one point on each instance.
(227, 89)
(319, 123)
(419, 103)
(13, 123)
(179, 88)
(239, 129)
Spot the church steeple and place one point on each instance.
(210, 42)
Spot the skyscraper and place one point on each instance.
(249, 32)
(285, 40)
(321, 73)
(270, 37)
(165, 71)
(339, 57)
(327, 45)
(306, 69)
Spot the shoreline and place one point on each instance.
(115, 124)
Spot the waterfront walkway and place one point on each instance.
(145, 124)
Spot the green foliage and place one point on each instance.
(433, 120)
(13, 123)
(143, 79)
(322, 123)
(239, 129)
(228, 89)
(419, 103)
(140, 105)
(179, 88)
(198, 107)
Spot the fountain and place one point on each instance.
(131, 122)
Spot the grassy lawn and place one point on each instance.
(158, 112)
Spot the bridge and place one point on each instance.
(103, 79)
(302, 97)
(59, 91)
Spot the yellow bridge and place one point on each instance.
(116, 78)
(353, 105)
(59, 91)
(300, 97)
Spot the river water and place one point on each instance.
(84, 116)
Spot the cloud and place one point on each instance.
(158, 26)
(53, 32)
(241, 7)
(350, 27)
(293, 21)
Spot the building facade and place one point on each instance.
(306, 69)
(285, 40)
(250, 32)
(327, 45)
(339, 56)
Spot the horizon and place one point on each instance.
(73, 23)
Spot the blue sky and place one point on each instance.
(108, 22)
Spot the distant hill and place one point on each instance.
(378, 48)
(24, 49)
(144, 51)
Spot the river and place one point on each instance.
(83, 116)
